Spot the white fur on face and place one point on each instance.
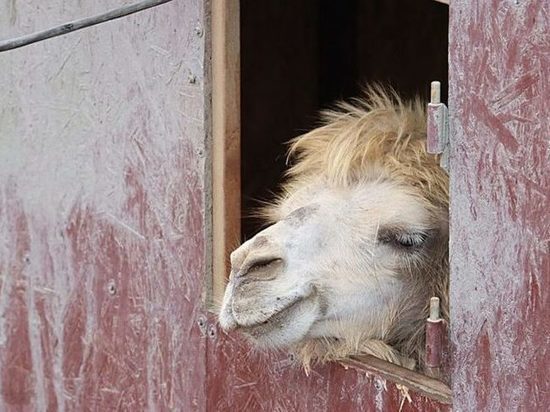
(322, 269)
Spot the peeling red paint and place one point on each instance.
(500, 198)
(241, 379)
(103, 223)
(102, 214)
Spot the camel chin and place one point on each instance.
(285, 328)
(274, 323)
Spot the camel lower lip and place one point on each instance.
(271, 322)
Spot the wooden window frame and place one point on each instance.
(226, 141)
(226, 186)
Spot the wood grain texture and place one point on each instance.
(240, 378)
(102, 207)
(415, 381)
(500, 203)
(226, 144)
(102, 234)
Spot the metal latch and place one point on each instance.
(436, 330)
(438, 127)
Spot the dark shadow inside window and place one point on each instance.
(298, 57)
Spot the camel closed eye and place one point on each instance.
(261, 264)
(402, 239)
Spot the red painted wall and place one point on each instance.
(103, 224)
(104, 230)
(102, 210)
(500, 204)
(240, 379)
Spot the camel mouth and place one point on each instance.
(273, 320)
(264, 332)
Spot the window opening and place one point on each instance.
(295, 60)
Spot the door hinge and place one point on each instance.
(438, 127)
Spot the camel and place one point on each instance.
(357, 241)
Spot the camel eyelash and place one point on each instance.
(409, 240)
(403, 239)
(261, 264)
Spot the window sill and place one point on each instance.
(422, 384)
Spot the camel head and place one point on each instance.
(357, 242)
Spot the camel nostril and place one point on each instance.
(260, 241)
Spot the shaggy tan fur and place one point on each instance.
(379, 137)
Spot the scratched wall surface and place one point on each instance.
(103, 229)
(500, 204)
(241, 379)
(102, 205)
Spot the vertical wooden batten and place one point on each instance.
(226, 131)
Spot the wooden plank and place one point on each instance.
(500, 203)
(241, 378)
(226, 130)
(102, 240)
(424, 385)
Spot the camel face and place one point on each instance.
(358, 241)
(331, 265)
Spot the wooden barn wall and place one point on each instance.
(102, 209)
(104, 205)
(500, 203)
(241, 379)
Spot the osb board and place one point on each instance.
(500, 203)
(102, 187)
(103, 213)
(242, 379)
